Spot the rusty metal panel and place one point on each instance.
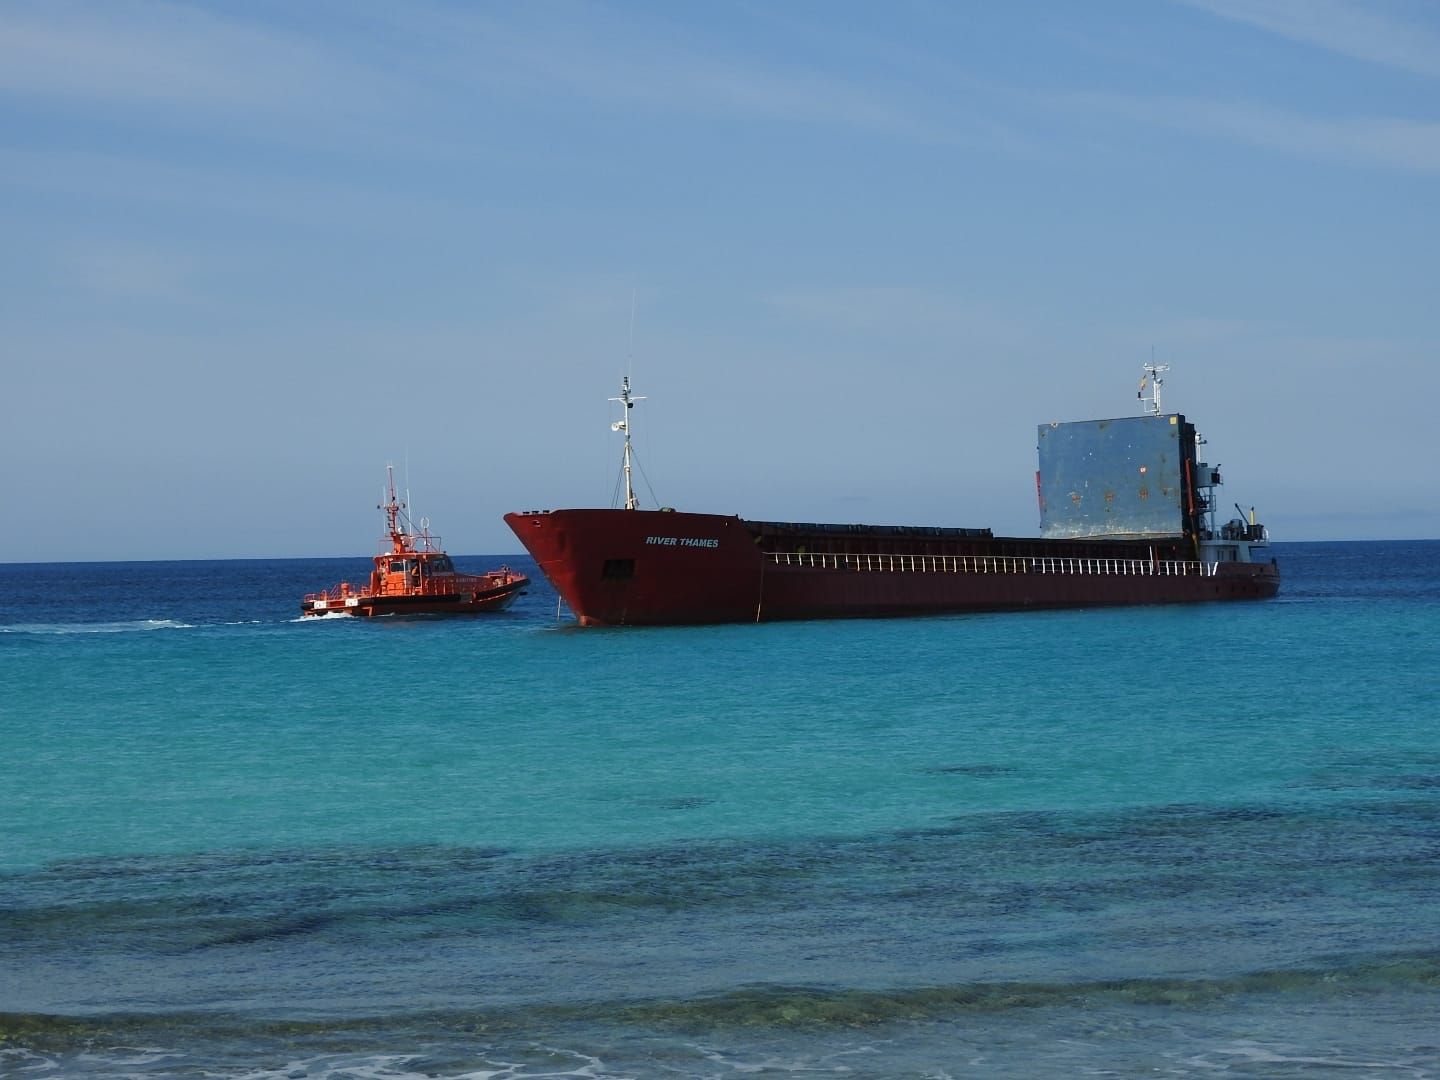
(1124, 477)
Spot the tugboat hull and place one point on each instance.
(477, 601)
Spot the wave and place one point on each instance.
(775, 1007)
(790, 1007)
(248, 1062)
(123, 627)
(1362, 1012)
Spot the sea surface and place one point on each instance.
(1197, 841)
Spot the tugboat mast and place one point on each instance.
(627, 402)
(393, 508)
(1153, 373)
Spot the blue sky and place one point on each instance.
(853, 254)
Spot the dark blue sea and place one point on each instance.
(1197, 841)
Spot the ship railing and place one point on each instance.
(421, 542)
(992, 564)
(444, 584)
(342, 591)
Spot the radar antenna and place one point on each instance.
(627, 402)
(1152, 377)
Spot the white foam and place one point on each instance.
(410, 1067)
(1247, 1052)
(768, 1062)
(134, 1063)
(126, 627)
(17, 1061)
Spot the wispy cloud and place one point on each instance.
(1365, 141)
(129, 273)
(610, 57)
(153, 53)
(108, 180)
(197, 63)
(893, 309)
(1362, 31)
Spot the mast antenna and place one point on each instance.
(1152, 377)
(627, 402)
(630, 360)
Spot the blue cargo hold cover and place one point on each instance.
(1122, 478)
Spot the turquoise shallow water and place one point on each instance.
(1183, 841)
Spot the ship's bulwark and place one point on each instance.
(639, 567)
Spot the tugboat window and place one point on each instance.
(618, 569)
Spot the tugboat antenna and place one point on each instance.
(1152, 376)
(627, 402)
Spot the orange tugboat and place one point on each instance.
(414, 576)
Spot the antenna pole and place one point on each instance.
(1153, 376)
(631, 502)
(392, 507)
(627, 402)
(631, 358)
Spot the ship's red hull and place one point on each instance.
(637, 567)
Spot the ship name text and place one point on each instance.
(682, 541)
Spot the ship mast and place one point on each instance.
(627, 402)
(392, 507)
(1153, 373)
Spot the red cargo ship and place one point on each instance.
(414, 576)
(1127, 517)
